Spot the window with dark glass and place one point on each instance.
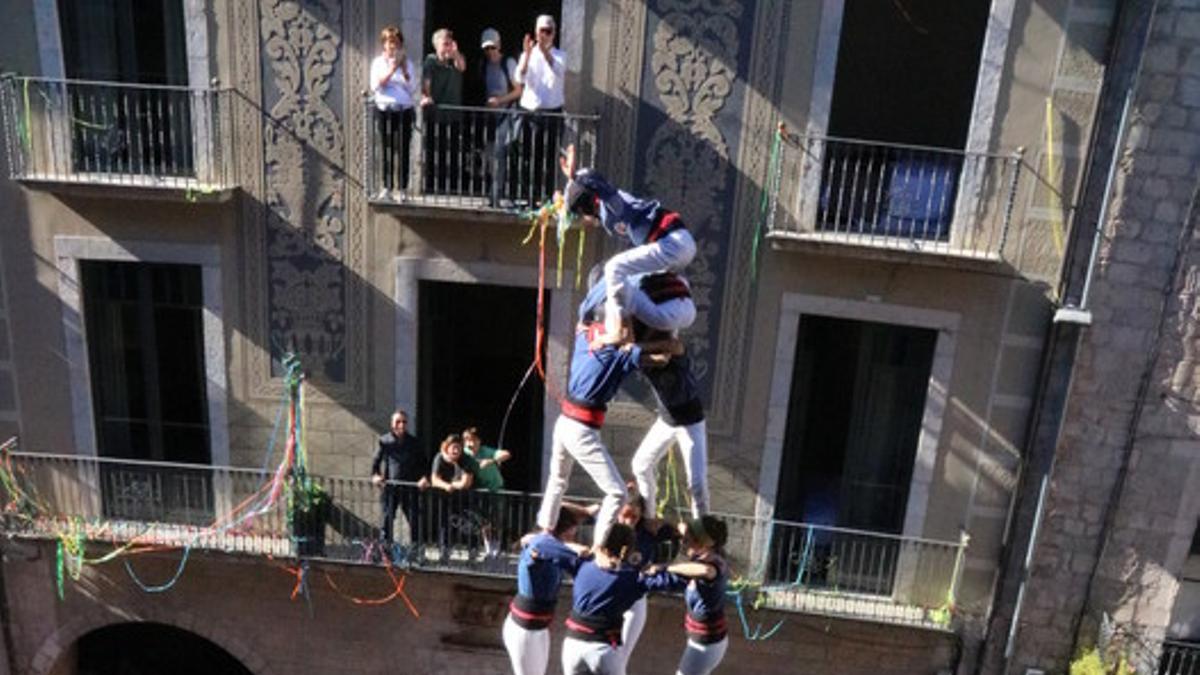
(145, 343)
(143, 127)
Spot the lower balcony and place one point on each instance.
(104, 134)
(499, 160)
(1179, 658)
(895, 197)
(791, 566)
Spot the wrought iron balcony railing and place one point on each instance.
(894, 196)
(488, 159)
(112, 133)
(798, 567)
(1179, 658)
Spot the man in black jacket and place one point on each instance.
(399, 458)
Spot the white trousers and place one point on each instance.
(631, 630)
(701, 659)
(577, 442)
(590, 658)
(671, 316)
(693, 445)
(673, 252)
(528, 650)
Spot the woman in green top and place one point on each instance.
(488, 479)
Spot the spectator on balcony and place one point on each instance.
(500, 86)
(453, 473)
(394, 86)
(542, 70)
(442, 85)
(488, 480)
(500, 91)
(398, 457)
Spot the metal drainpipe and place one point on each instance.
(1080, 313)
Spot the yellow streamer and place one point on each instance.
(1055, 180)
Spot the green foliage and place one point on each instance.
(306, 497)
(1092, 662)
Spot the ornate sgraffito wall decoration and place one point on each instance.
(304, 228)
(305, 192)
(708, 85)
(690, 132)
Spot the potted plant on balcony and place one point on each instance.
(309, 507)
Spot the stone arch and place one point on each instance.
(68, 634)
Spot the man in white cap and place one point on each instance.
(500, 90)
(500, 86)
(543, 71)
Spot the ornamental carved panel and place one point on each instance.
(299, 62)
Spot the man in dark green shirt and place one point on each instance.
(488, 479)
(442, 85)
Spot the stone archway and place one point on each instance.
(53, 655)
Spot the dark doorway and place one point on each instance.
(476, 343)
(151, 649)
(145, 340)
(468, 20)
(854, 419)
(906, 70)
(904, 87)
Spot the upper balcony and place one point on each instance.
(488, 160)
(794, 566)
(889, 197)
(73, 133)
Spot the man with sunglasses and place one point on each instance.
(542, 70)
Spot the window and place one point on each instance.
(854, 421)
(475, 344)
(901, 109)
(146, 361)
(143, 127)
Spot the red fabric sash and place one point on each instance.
(667, 223)
(592, 417)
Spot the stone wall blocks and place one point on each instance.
(1176, 166)
(1156, 187)
(1175, 116)
(1160, 88)
(1189, 92)
(1161, 58)
(1171, 141)
(1187, 25)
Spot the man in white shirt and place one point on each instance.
(542, 71)
(394, 82)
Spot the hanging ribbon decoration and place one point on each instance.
(1054, 177)
(770, 197)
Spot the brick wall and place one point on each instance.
(242, 604)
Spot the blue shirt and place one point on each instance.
(705, 598)
(674, 384)
(539, 577)
(606, 594)
(622, 215)
(596, 374)
(647, 542)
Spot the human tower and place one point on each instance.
(629, 320)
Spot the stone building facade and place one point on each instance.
(293, 255)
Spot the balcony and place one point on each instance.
(141, 137)
(486, 160)
(1179, 658)
(895, 197)
(797, 567)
